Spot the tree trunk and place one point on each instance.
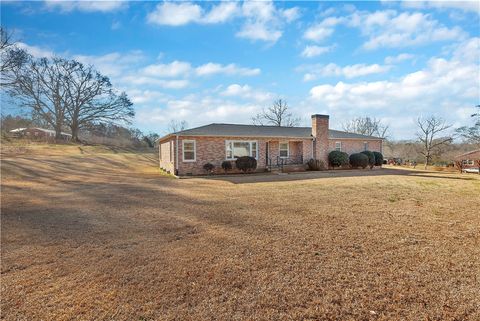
(58, 130)
(74, 128)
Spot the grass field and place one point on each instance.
(98, 233)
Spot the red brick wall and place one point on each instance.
(320, 125)
(351, 146)
(472, 157)
(212, 150)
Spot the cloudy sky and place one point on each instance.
(225, 61)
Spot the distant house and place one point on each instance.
(469, 160)
(38, 134)
(185, 152)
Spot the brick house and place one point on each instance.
(185, 152)
(470, 159)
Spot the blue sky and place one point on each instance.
(207, 62)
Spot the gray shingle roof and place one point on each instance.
(263, 131)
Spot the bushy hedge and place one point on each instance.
(337, 158)
(358, 160)
(208, 167)
(227, 165)
(378, 158)
(371, 157)
(246, 163)
(315, 165)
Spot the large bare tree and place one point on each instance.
(276, 115)
(65, 93)
(90, 98)
(366, 126)
(11, 57)
(40, 86)
(429, 134)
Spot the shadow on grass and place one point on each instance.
(299, 176)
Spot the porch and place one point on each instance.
(287, 155)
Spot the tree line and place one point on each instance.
(61, 92)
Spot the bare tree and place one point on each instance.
(176, 126)
(11, 58)
(429, 136)
(276, 115)
(90, 98)
(40, 86)
(366, 126)
(471, 134)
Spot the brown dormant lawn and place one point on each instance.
(99, 234)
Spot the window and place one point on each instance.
(338, 146)
(235, 149)
(284, 152)
(189, 154)
(365, 145)
(467, 162)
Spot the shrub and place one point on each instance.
(337, 158)
(378, 158)
(371, 157)
(226, 165)
(359, 160)
(209, 167)
(246, 163)
(315, 165)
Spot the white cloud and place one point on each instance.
(350, 71)
(86, 6)
(173, 69)
(472, 6)
(146, 96)
(139, 80)
(247, 92)
(221, 13)
(398, 58)
(322, 30)
(230, 69)
(36, 51)
(389, 28)
(175, 14)
(259, 31)
(112, 64)
(262, 19)
(314, 51)
(291, 14)
(440, 88)
(207, 109)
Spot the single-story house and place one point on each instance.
(36, 133)
(470, 159)
(186, 152)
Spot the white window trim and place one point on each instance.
(240, 141)
(194, 150)
(367, 146)
(288, 149)
(340, 146)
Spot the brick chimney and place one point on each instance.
(320, 133)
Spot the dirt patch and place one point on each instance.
(106, 237)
